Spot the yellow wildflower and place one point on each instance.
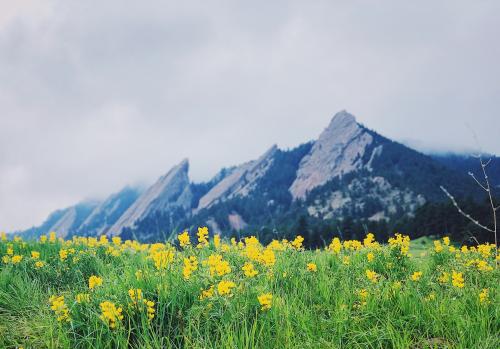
(224, 287)
(16, 259)
(483, 265)
(208, 293)
(484, 296)
(370, 256)
(39, 264)
(150, 309)
(437, 246)
(63, 254)
(82, 297)
(486, 249)
(116, 240)
(217, 265)
(35, 254)
(249, 270)
(135, 295)
(190, 265)
(59, 307)
(52, 237)
(111, 315)
(202, 237)
(363, 294)
(184, 239)
(444, 278)
(457, 279)
(297, 242)
(267, 257)
(416, 276)
(265, 301)
(402, 242)
(312, 267)
(371, 275)
(94, 281)
(430, 297)
(162, 258)
(335, 246)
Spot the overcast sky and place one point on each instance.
(95, 95)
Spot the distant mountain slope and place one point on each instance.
(108, 212)
(240, 182)
(349, 175)
(64, 222)
(170, 192)
(465, 163)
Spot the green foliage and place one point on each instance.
(309, 309)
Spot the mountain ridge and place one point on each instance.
(349, 171)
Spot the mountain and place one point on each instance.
(339, 150)
(465, 163)
(350, 177)
(64, 222)
(170, 192)
(240, 182)
(108, 212)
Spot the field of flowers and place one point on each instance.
(201, 291)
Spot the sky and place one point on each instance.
(95, 95)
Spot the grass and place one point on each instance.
(334, 306)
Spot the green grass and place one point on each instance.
(321, 309)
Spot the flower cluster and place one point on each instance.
(312, 267)
(224, 288)
(265, 301)
(184, 239)
(60, 308)
(110, 314)
(190, 265)
(249, 270)
(94, 281)
(202, 237)
(217, 266)
(401, 242)
(372, 276)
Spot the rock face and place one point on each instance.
(64, 222)
(170, 191)
(236, 221)
(337, 151)
(240, 182)
(372, 198)
(108, 212)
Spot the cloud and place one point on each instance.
(96, 95)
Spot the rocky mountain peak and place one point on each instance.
(171, 190)
(240, 182)
(341, 120)
(337, 151)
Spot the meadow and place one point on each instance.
(202, 291)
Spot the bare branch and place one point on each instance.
(466, 215)
(486, 164)
(479, 183)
